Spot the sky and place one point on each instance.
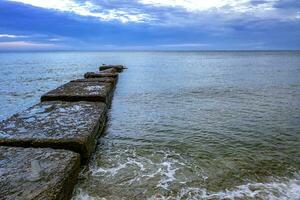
(149, 25)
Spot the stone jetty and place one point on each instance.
(41, 148)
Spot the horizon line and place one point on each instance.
(147, 50)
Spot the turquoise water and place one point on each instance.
(183, 125)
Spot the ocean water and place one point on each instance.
(183, 125)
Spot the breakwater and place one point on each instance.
(42, 148)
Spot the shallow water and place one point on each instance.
(183, 125)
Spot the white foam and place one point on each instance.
(110, 171)
(277, 190)
(84, 196)
(163, 171)
(169, 173)
(143, 168)
(289, 190)
(139, 164)
(153, 174)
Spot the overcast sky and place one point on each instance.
(149, 24)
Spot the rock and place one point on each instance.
(119, 68)
(45, 174)
(101, 80)
(60, 125)
(81, 91)
(100, 75)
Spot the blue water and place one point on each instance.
(183, 125)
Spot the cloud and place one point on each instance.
(222, 16)
(89, 9)
(25, 45)
(174, 12)
(55, 39)
(166, 24)
(185, 45)
(11, 36)
(217, 5)
(193, 5)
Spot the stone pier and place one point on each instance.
(42, 147)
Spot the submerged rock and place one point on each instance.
(119, 68)
(100, 75)
(29, 173)
(61, 125)
(81, 91)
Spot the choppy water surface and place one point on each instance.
(193, 125)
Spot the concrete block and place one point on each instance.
(113, 81)
(119, 68)
(81, 91)
(100, 75)
(110, 70)
(72, 126)
(43, 174)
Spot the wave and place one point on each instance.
(162, 180)
(289, 190)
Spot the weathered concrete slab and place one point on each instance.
(100, 75)
(61, 125)
(110, 70)
(119, 68)
(81, 91)
(45, 174)
(101, 80)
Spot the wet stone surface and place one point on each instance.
(100, 75)
(110, 70)
(63, 125)
(119, 68)
(101, 80)
(46, 174)
(81, 91)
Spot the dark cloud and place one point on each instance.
(170, 27)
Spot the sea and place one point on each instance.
(182, 125)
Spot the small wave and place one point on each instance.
(277, 190)
(166, 174)
(289, 190)
(111, 171)
(145, 168)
